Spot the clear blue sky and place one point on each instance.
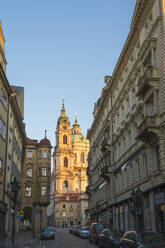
(60, 49)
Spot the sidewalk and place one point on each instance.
(23, 240)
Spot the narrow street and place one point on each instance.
(64, 239)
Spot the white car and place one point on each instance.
(84, 232)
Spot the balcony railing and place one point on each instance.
(106, 146)
(148, 80)
(106, 171)
(148, 127)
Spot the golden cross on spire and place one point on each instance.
(76, 117)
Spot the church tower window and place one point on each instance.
(65, 139)
(82, 157)
(65, 162)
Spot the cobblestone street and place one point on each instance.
(66, 240)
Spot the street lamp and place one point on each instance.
(15, 190)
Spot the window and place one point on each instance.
(44, 172)
(133, 98)
(123, 113)
(66, 184)
(40, 154)
(71, 206)
(124, 145)
(128, 105)
(64, 139)
(63, 206)
(146, 29)
(117, 184)
(131, 173)
(150, 23)
(29, 154)
(138, 48)
(126, 74)
(44, 153)
(78, 206)
(130, 138)
(145, 164)
(135, 130)
(2, 129)
(119, 149)
(82, 157)
(138, 169)
(157, 157)
(43, 190)
(29, 172)
(126, 178)
(153, 56)
(131, 63)
(64, 214)
(28, 191)
(3, 98)
(65, 162)
(71, 214)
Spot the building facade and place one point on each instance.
(126, 162)
(35, 184)
(15, 156)
(5, 91)
(69, 179)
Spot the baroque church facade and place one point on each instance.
(69, 179)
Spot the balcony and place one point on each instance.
(148, 129)
(43, 200)
(106, 172)
(105, 146)
(88, 190)
(148, 82)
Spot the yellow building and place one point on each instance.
(69, 179)
(4, 97)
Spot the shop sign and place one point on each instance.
(163, 207)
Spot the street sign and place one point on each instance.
(21, 217)
(21, 212)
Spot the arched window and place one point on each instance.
(65, 162)
(66, 184)
(82, 157)
(64, 139)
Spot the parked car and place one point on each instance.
(71, 229)
(107, 239)
(48, 233)
(94, 231)
(76, 230)
(132, 239)
(153, 239)
(84, 232)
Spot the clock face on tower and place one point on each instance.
(65, 127)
